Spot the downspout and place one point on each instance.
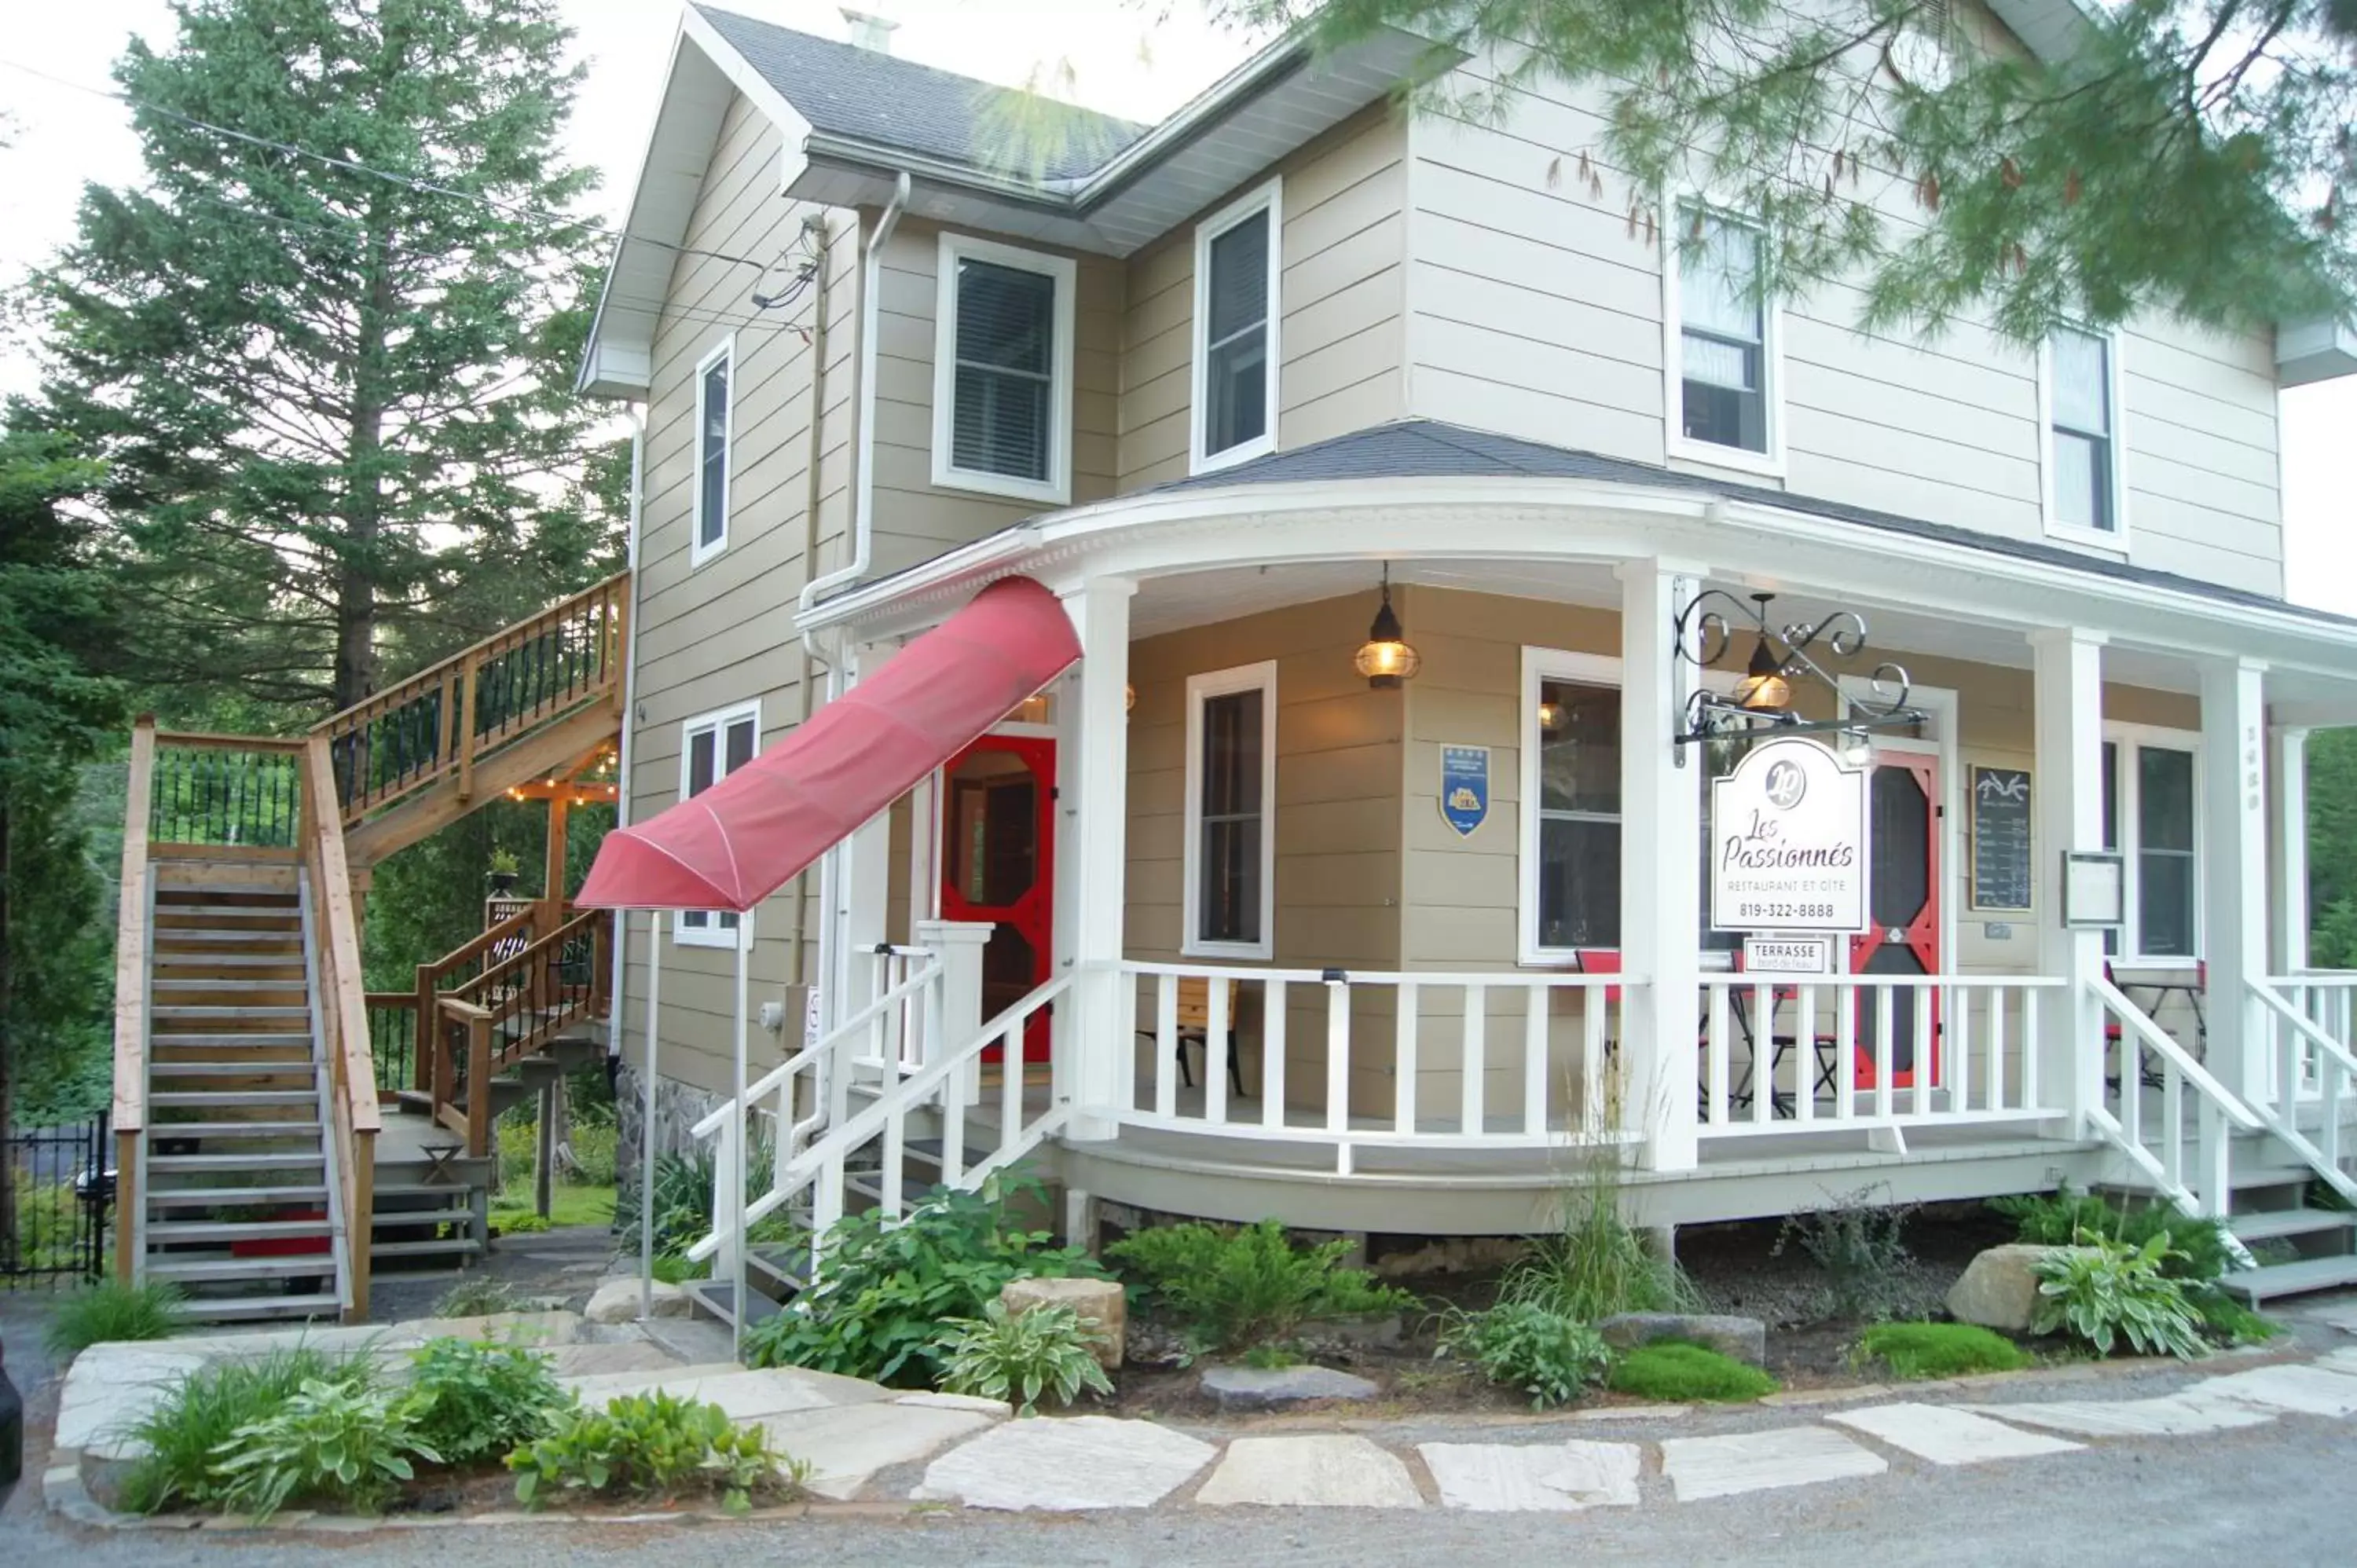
(630, 724)
(797, 964)
(863, 535)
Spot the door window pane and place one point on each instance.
(1004, 385)
(1228, 896)
(1236, 371)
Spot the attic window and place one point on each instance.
(1003, 370)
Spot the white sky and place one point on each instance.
(1121, 60)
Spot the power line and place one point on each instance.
(408, 182)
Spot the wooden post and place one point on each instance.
(129, 1201)
(552, 883)
(543, 1150)
(478, 1085)
(360, 1222)
(468, 672)
(422, 1058)
(448, 721)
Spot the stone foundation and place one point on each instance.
(678, 1107)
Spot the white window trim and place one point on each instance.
(717, 721)
(1261, 677)
(1057, 488)
(1540, 665)
(698, 552)
(1269, 199)
(2116, 538)
(2129, 739)
(1772, 462)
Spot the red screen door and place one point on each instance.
(1902, 897)
(997, 863)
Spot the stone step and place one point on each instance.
(2308, 1274)
(2263, 1224)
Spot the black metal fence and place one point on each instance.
(62, 1183)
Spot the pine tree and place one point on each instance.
(2192, 155)
(330, 402)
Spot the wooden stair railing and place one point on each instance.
(455, 972)
(516, 1008)
(132, 920)
(343, 1021)
(442, 721)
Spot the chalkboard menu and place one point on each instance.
(2001, 864)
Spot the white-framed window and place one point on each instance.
(1238, 265)
(2152, 816)
(2084, 480)
(715, 418)
(1230, 903)
(1571, 804)
(1003, 370)
(1723, 344)
(711, 748)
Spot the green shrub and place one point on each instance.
(683, 1199)
(1940, 1350)
(477, 1397)
(111, 1311)
(203, 1410)
(1683, 1372)
(654, 1445)
(1595, 1267)
(2228, 1320)
(519, 1221)
(1547, 1356)
(1019, 1357)
(2199, 1248)
(1858, 1244)
(337, 1442)
(673, 1269)
(876, 1308)
(2102, 1291)
(480, 1296)
(592, 1145)
(1236, 1287)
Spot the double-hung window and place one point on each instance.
(1724, 407)
(1003, 370)
(710, 749)
(2150, 816)
(715, 374)
(2083, 436)
(1236, 272)
(1231, 851)
(1571, 790)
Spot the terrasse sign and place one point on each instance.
(1789, 848)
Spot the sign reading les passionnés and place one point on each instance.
(1788, 848)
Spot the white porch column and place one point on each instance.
(1091, 1041)
(2067, 809)
(2287, 776)
(1661, 870)
(862, 884)
(2233, 865)
(960, 943)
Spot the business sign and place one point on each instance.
(1465, 786)
(1788, 955)
(1788, 842)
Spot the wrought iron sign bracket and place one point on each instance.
(1761, 703)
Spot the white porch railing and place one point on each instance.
(2305, 1055)
(2142, 1061)
(1532, 1056)
(1793, 1056)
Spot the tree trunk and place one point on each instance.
(358, 570)
(7, 1057)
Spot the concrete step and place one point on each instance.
(2308, 1274)
(239, 1196)
(203, 1270)
(2264, 1224)
(221, 1230)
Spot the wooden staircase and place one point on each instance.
(250, 1065)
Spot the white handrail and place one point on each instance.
(2335, 1070)
(2152, 1034)
(769, 1081)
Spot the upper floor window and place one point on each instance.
(1237, 265)
(1003, 370)
(2083, 435)
(1724, 344)
(713, 419)
(2151, 816)
(710, 748)
(1231, 852)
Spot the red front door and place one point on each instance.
(997, 860)
(1902, 897)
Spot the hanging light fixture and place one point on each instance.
(1763, 689)
(1385, 658)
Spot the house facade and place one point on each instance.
(1288, 909)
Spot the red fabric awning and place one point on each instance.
(738, 841)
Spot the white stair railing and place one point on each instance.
(2147, 1058)
(2307, 1063)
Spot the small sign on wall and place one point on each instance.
(1464, 787)
(1788, 848)
(1764, 954)
(2001, 839)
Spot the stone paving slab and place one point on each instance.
(2170, 1415)
(1326, 1470)
(2304, 1391)
(110, 1389)
(1066, 1464)
(594, 1361)
(745, 1395)
(845, 1446)
(1946, 1435)
(1701, 1467)
(2338, 1315)
(1533, 1477)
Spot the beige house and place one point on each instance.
(1376, 929)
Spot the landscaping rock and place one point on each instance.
(1329, 1335)
(1253, 1387)
(1099, 1304)
(1999, 1289)
(112, 1388)
(1743, 1338)
(617, 1301)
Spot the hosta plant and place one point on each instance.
(334, 1442)
(1017, 1357)
(2105, 1291)
(654, 1445)
(1547, 1356)
(482, 1397)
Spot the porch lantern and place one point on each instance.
(1385, 658)
(1763, 698)
(1763, 689)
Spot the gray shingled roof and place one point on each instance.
(845, 90)
(1425, 448)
